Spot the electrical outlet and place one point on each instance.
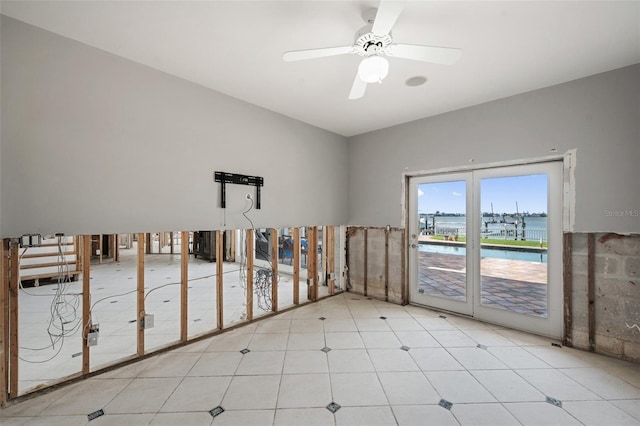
(148, 321)
(92, 336)
(30, 240)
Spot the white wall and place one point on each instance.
(598, 115)
(93, 143)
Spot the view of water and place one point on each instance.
(529, 256)
(535, 227)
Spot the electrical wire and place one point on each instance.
(263, 278)
(189, 280)
(64, 320)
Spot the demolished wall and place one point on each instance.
(613, 272)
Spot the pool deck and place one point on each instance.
(515, 285)
(426, 239)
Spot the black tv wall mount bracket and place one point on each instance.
(224, 178)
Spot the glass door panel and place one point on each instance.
(518, 220)
(513, 238)
(488, 243)
(439, 242)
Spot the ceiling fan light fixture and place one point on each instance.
(373, 69)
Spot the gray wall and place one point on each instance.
(95, 143)
(598, 115)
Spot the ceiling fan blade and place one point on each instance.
(299, 55)
(386, 16)
(436, 55)
(358, 88)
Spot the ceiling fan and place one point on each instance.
(374, 42)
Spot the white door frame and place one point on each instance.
(557, 217)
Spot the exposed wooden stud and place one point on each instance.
(274, 270)
(69, 243)
(46, 265)
(219, 280)
(4, 321)
(100, 247)
(250, 253)
(232, 245)
(296, 266)
(184, 284)
(312, 261)
(591, 288)
(366, 266)
(50, 275)
(404, 285)
(14, 359)
(567, 280)
(77, 251)
(308, 232)
(405, 244)
(148, 242)
(112, 246)
(329, 246)
(116, 248)
(86, 301)
(386, 264)
(323, 257)
(38, 255)
(171, 235)
(141, 253)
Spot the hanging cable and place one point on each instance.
(64, 320)
(263, 277)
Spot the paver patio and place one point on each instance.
(516, 285)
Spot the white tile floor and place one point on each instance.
(286, 378)
(113, 298)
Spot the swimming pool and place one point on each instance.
(511, 254)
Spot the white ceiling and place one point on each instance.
(235, 47)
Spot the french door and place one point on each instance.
(487, 243)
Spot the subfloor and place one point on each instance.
(373, 363)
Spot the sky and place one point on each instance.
(530, 192)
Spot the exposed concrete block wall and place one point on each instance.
(616, 291)
(375, 259)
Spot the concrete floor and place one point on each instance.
(113, 299)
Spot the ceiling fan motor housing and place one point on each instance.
(369, 44)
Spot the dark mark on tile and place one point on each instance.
(445, 404)
(333, 407)
(554, 401)
(95, 414)
(216, 411)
